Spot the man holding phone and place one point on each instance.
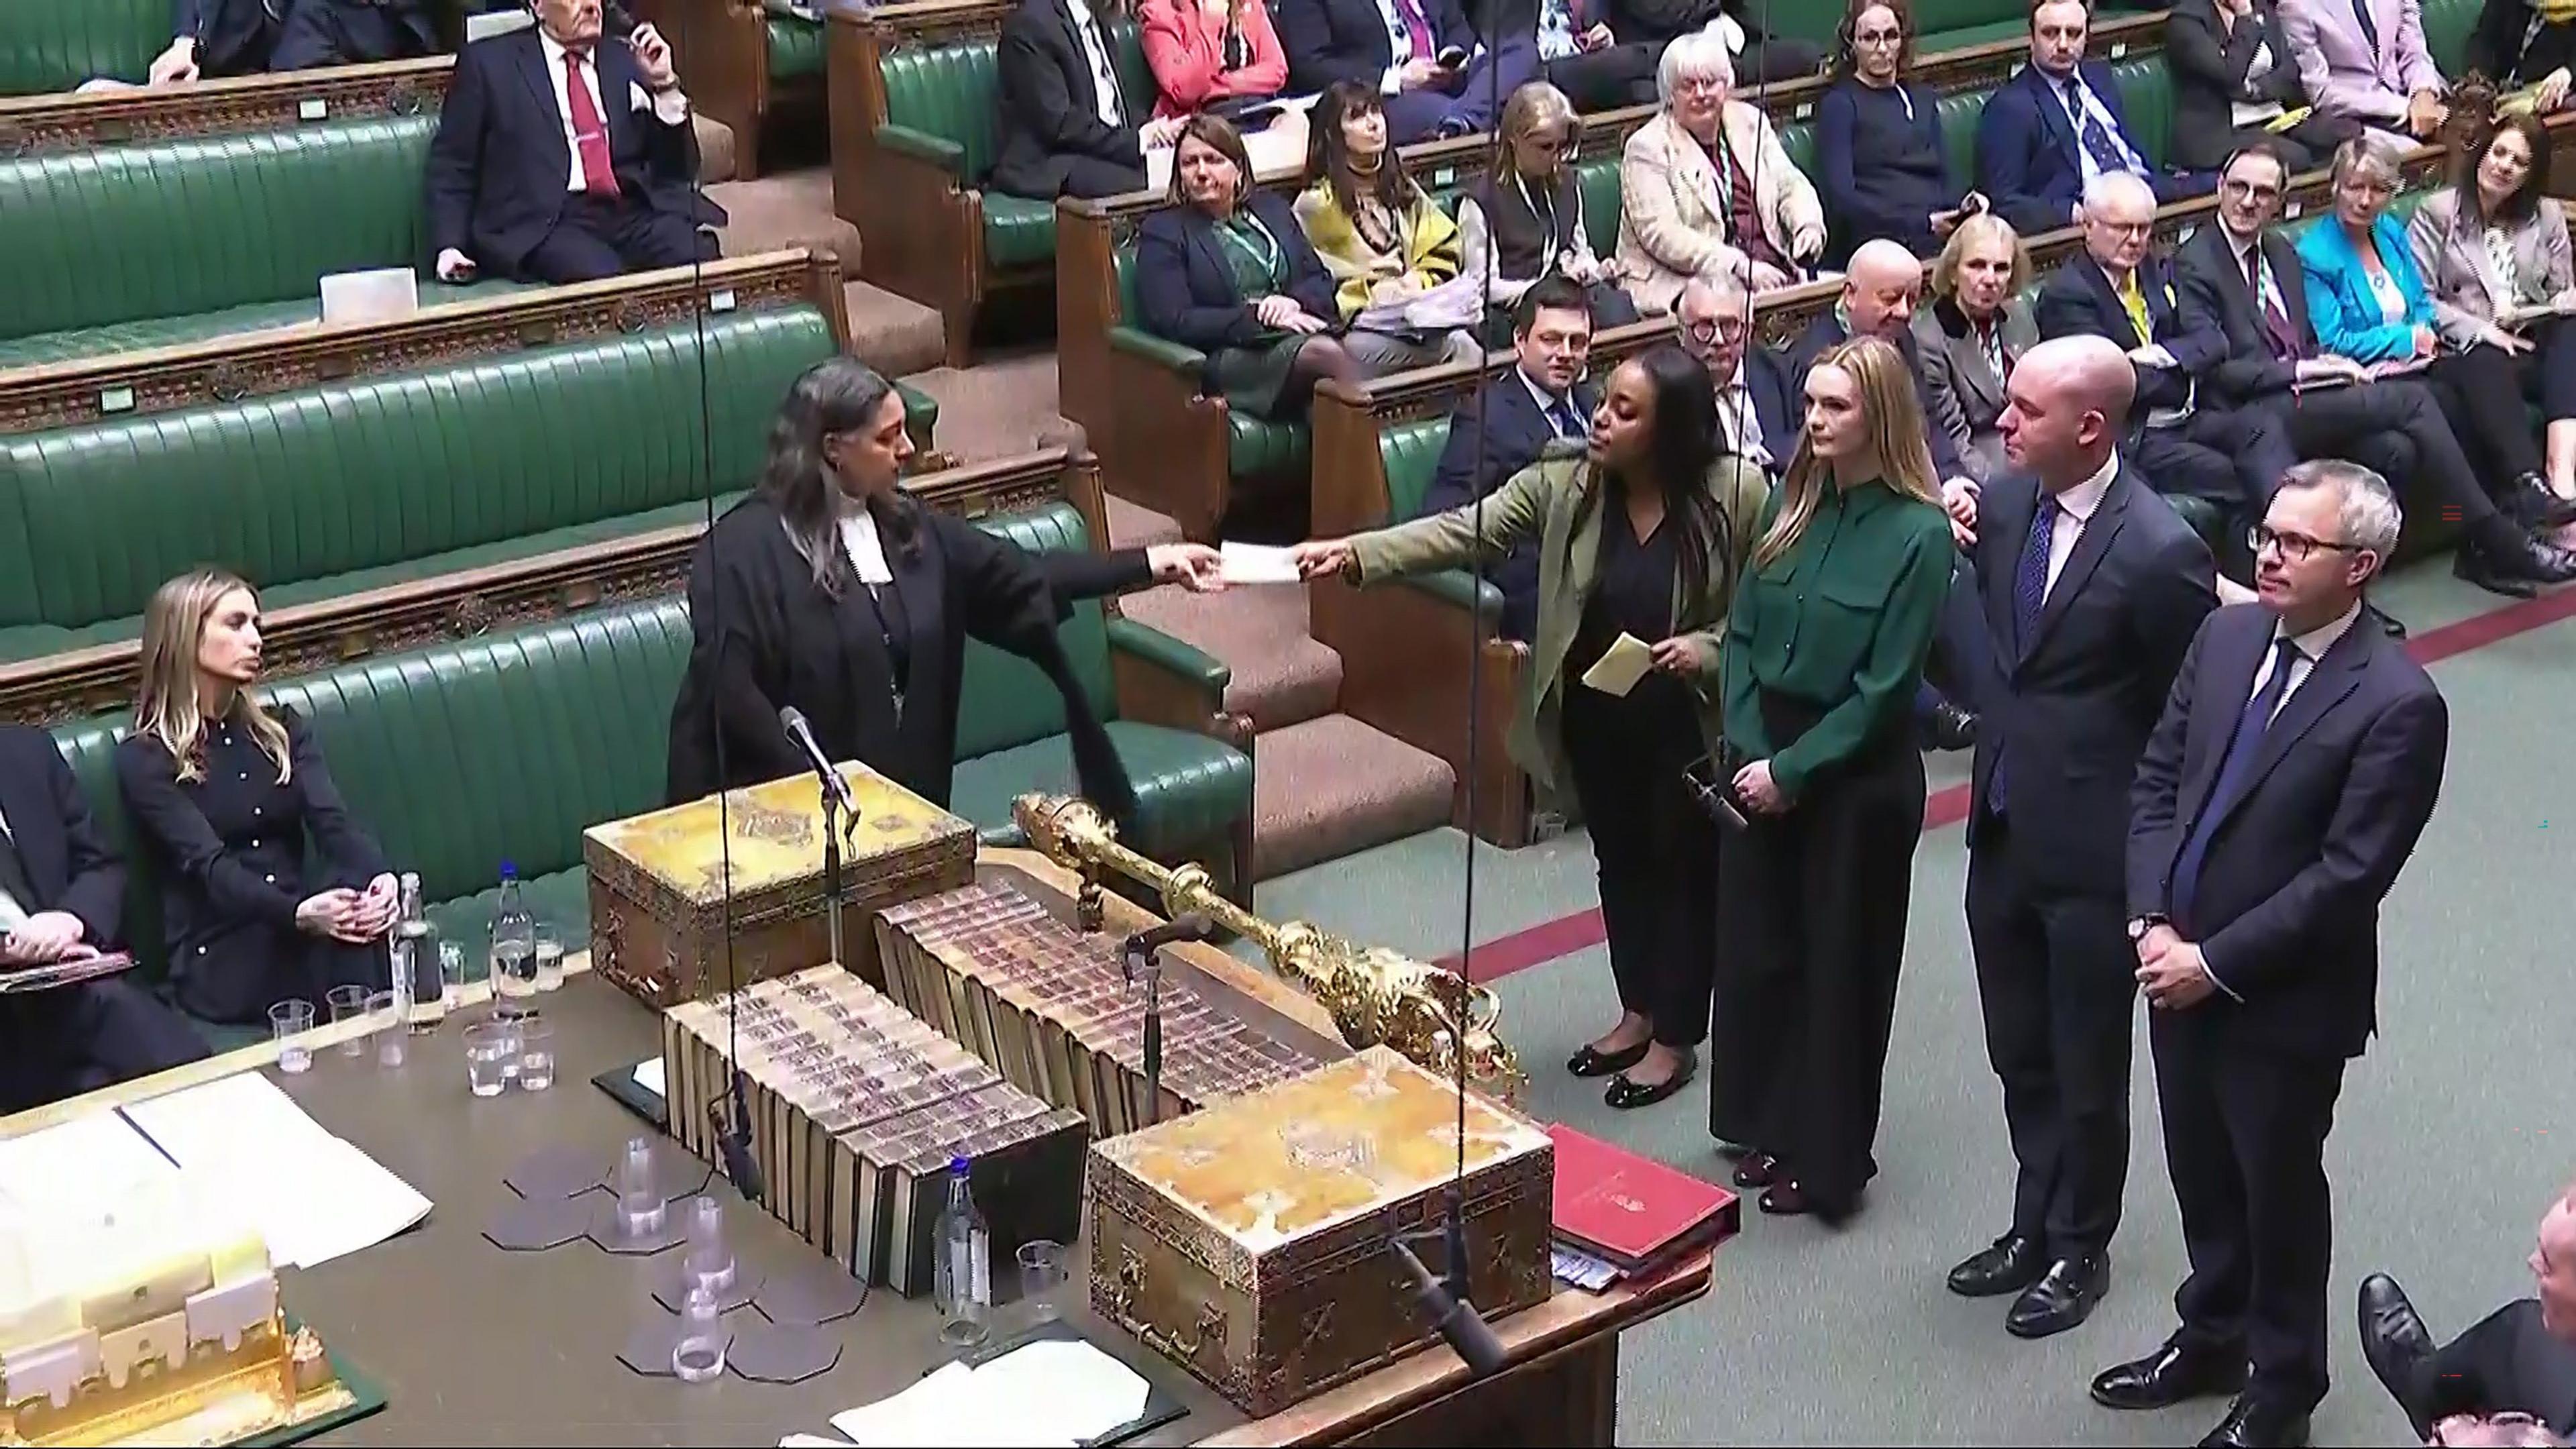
(1433, 75)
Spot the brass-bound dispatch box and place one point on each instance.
(1250, 1242)
(659, 885)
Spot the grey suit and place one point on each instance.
(1961, 392)
(2462, 277)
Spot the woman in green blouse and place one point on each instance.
(1824, 652)
(1641, 537)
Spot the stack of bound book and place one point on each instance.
(1618, 1215)
(856, 1109)
(1053, 1011)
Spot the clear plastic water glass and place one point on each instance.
(451, 972)
(1042, 1279)
(288, 1021)
(536, 1053)
(491, 1055)
(347, 1003)
(386, 1026)
(550, 954)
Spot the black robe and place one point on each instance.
(765, 636)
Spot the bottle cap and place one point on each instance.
(509, 871)
(958, 1165)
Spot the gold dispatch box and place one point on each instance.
(1248, 1242)
(658, 883)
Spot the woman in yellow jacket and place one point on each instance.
(1386, 242)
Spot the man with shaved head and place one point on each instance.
(2519, 1359)
(1880, 288)
(2090, 588)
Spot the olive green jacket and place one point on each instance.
(1542, 503)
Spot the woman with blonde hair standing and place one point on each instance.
(1824, 652)
(269, 890)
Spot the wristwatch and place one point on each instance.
(2139, 926)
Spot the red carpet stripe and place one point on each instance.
(1581, 930)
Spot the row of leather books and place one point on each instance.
(1053, 1011)
(856, 1109)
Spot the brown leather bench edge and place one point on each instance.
(30, 125)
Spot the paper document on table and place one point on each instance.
(1051, 1391)
(812, 1441)
(83, 1167)
(648, 1075)
(1257, 563)
(244, 1145)
(1620, 666)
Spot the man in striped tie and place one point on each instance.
(2296, 764)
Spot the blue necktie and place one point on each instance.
(2030, 593)
(2235, 773)
(1567, 421)
(2369, 27)
(2109, 151)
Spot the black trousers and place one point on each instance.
(2358, 422)
(1655, 852)
(2055, 979)
(1812, 905)
(2245, 1135)
(1606, 79)
(2510, 1360)
(347, 32)
(598, 238)
(75, 1039)
(2230, 456)
(2482, 393)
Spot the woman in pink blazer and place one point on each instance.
(1208, 52)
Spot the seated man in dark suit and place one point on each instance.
(2519, 1359)
(213, 38)
(61, 892)
(1759, 410)
(1068, 126)
(560, 158)
(1508, 422)
(2056, 127)
(1879, 292)
(1588, 49)
(2118, 288)
(2322, 406)
(1431, 72)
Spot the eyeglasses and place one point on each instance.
(2248, 191)
(1879, 37)
(1697, 85)
(1704, 333)
(2295, 547)
(2122, 228)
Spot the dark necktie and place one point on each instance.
(2369, 27)
(2108, 152)
(2235, 774)
(2030, 594)
(13, 875)
(2286, 346)
(1565, 418)
(1103, 74)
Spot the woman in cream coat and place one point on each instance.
(1680, 174)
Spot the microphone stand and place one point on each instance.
(1141, 959)
(832, 870)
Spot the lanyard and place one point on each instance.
(1266, 253)
(1521, 183)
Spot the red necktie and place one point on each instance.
(589, 132)
(1416, 28)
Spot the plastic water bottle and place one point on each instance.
(402, 975)
(962, 1286)
(416, 950)
(514, 951)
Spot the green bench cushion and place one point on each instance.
(75, 343)
(795, 47)
(200, 224)
(1260, 448)
(1018, 232)
(55, 45)
(1189, 789)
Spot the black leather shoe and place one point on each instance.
(1626, 1095)
(2167, 1377)
(2515, 570)
(1590, 1063)
(2253, 1423)
(1757, 1170)
(2394, 1340)
(2062, 1298)
(1948, 727)
(2007, 1265)
(2537, 506)
(1786, 1199)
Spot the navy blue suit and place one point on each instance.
(1515, 432)
(1347, 40)
(1779, 402)
(72, 1039)
(240, 37)
(499, 164)
(1185, 287)
(2029, 159)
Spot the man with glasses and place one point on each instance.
(2320, 405)
(2295, 765)
(1758, 409)
(2053, 130)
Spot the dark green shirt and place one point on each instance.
(1842, 621)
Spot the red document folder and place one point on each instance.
(1629, 1210)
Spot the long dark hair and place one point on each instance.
(1682, 445)
(2472, 154)
(1328, 154)
(836, 395)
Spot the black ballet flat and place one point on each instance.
(1626, 1095)
(1789, 1200)
(1590, 1063)
(1756, 1170)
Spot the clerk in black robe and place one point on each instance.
(830, 591)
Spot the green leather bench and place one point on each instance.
(386, 479)
(55, 45)
(507, 746)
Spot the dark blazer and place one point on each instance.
(1826, 331)
(2496, 47)
(2209, 78)
(1185, 287)
(228, 33)
(2287, 907)
(2213, 287)
(2074, 703)
(68, 864)
(1515, 433)
(1050, 104)
(2028, 161)
(1338, 40)
(1880, 181)
(499, 161)
(2077, 300)
(1779, 400)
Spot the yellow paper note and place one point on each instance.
(1626, 661)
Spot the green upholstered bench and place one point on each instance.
(508, 746)
(55, 45)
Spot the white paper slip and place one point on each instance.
(648, 1075)
(245, 1147)
(383, 294)
(812, 1441)
(1257, 563)
(1086, 1393)
(1620, 666)
(92, 1161)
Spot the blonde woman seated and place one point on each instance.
(1524, 219)
(1967, 341)
(269, 890)
(1705, 189)
(1389, 246)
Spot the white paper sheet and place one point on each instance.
(1256, 563)
(382, 294)
(246, 1147)
(95, 1158)
(1050, 1392)
(812, 1441)
(648, 1075)
(1620, 666)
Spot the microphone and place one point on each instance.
(1188, 926)
(792, 720)
(616, 22)
(1451, 1316)
(733, 1139)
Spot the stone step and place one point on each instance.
(1331, 786)
(998, 408)
(1282, 676)
(791, 209)
(715, 149)
(1134, 526)
(895, 335)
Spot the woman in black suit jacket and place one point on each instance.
(1879, 154)
(2232, 77)
(1226, 269)
(270, 891)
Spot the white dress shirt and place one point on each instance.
(2075, 508)
(670, 107)
(1741, 420)
(1104, 75)
(13, 913)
